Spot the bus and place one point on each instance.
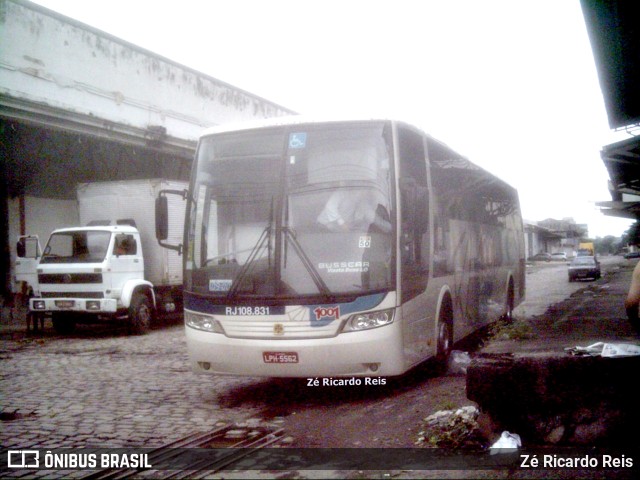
(341, 249)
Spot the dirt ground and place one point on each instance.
(372, 417)
(392, 415)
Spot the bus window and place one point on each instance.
(414, 248)
(451, 178)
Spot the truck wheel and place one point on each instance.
(140, 314)
(63, 325)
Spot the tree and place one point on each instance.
(632, 235)
(607, 245)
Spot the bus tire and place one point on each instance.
(507, 317)
(63, 325)
(445, 337)
(140, 314)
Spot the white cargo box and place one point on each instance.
(135, 199)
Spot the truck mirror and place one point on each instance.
(28, 247)
(162, 218)
(21, 248)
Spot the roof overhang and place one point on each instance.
(614, 32)
(622, 161)
(42, 115)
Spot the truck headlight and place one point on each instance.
(368, 320)
(39, 305)
(202, 322)
(93, 304)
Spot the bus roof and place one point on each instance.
(290, 120)
(282, 121)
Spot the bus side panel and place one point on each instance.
(419, 316)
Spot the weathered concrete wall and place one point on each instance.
(57, 214)
(69, 93)
(51, 61)
(562, 400)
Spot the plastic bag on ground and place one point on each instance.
(606, 350)
(507, 440)
(458, 362)
(620, 350)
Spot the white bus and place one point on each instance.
(344, 248)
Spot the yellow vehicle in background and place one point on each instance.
(586, 249)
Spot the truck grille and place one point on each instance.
(72, 294)
(65, 278)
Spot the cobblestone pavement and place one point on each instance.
(106, 389)
(101, 388)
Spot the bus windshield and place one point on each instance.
(297, 211)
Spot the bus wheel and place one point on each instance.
(139, 314)
(62, 325)
(507, 317)
(445, 341)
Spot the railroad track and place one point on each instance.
(228, 445)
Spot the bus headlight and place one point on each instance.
(367, 320)
(202, 322)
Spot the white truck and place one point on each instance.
(112, 268)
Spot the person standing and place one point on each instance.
(633, 298)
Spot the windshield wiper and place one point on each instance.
(249, 264)
(265, 236)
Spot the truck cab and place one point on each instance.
(93, 272)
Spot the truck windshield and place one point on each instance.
(291, 212)
(84, 246)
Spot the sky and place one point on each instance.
(510, 84)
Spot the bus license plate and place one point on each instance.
(280, 357)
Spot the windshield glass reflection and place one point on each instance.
(289, 213)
